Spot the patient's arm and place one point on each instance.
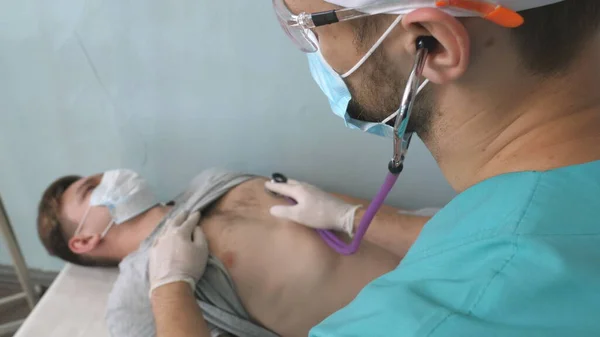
(176, 312)
(389, 229)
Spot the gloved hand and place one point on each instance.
(179, 253)
(315, 208)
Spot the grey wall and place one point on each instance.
(169, 88)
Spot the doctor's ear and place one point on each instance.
(450, 57)
(82, 243)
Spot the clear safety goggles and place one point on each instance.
(298, 26)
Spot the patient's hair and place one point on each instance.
(49, 225)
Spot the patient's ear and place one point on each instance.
(82, 243)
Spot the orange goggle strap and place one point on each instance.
(497, 14)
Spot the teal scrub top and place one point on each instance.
(515, 255)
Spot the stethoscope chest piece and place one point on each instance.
(277, 178)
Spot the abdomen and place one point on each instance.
(273, 262)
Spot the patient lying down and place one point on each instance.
(266, 276)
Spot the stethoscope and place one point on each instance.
(425, 44)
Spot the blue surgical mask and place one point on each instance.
(124, 193)
(333, 86)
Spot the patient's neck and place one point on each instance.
(127, 237)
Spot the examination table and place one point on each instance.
(74, 305)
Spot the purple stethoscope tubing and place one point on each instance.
(401, 143)
(342, 247)
(347, 249)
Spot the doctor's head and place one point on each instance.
(92, 220)
(477, 63)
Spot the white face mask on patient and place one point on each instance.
(126, 195)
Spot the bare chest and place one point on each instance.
(275, 264)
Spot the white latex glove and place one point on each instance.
(179, 253)
(315, 208)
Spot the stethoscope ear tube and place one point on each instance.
(424, 45)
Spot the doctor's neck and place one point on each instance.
(126, 238)
(518, 121)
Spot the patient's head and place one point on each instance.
(75, 224)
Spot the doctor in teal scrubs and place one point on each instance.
(511, 114)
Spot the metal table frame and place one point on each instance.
(28, 292)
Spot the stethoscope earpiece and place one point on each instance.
(426, 42)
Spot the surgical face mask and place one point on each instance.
(124, 193)
(336, 90)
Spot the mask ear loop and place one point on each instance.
(78, 229)
(375, 46)
(392, 116)
(110, 224)
(85, 215)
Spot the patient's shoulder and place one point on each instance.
(131, 286)
(128, 310)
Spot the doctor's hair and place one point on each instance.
(548, 42)
(553, 36)
(50, 226)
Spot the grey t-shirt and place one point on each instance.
(129, 312)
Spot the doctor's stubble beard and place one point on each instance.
(378, 93)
